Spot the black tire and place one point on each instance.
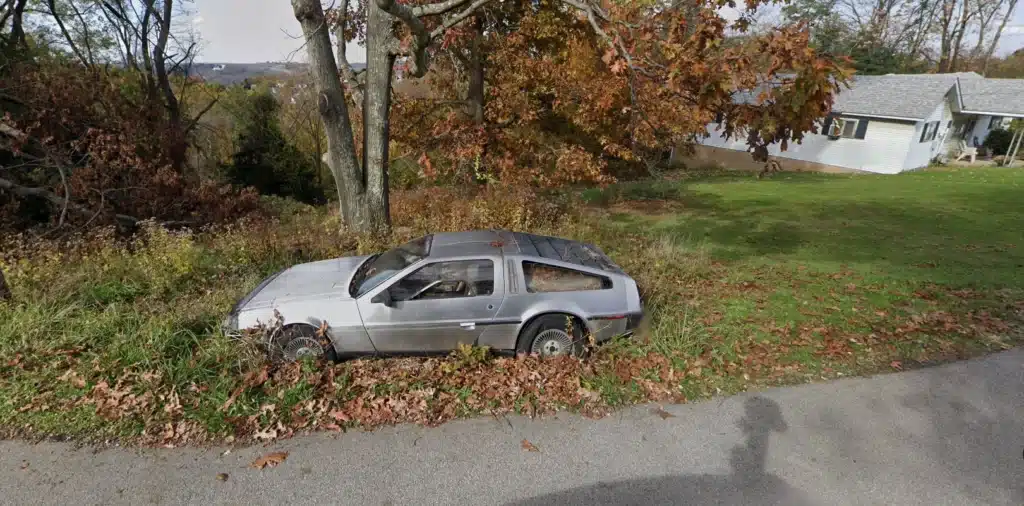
(567, 325)
(279, 349)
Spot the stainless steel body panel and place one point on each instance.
(433, 324)
(494, 315)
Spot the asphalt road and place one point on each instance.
(946, 435)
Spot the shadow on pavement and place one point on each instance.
(976, 428)
(749, 483)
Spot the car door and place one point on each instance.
(434, 308)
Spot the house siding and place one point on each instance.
(981, 129)
(883, 149)
(920, 154)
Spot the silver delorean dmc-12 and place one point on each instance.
(510, 291)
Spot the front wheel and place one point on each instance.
(300, 342)
(552, 336)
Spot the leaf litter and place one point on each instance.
(269, 460)
(528, 446)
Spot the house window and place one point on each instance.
(995, 122)
(843, 127)
(930, 129)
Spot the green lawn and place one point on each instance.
(806, 268)
(747, 282)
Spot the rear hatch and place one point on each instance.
(565, 250)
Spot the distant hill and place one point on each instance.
(236, 73)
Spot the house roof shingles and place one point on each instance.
(911, 96)
(915, 96)
(1005, 96)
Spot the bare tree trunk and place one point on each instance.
(341, 150)
(987, 9)
(965, 17)
(178, 144)
(475, 94)
(17, 30)
(946, 39)
(995, 39)
(380, 38)
(475, 98)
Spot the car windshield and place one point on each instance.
(379, 268)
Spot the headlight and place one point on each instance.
(230, 324)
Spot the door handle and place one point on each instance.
(468, 325)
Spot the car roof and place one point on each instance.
(485, 242)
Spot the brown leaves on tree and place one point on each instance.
(571, 101)
(270, 459)
(116, 149)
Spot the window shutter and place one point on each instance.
(862, 128)
(924, 132)
(826, 125)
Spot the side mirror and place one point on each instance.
(383, 298)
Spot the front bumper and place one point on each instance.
(230, 325)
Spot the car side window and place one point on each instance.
(542, 278)
(446, 280)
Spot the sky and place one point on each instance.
(253, 31)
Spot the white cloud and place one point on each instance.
(198, 20)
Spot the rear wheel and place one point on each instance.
(300, 342)
(552, 335)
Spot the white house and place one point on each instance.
(894, 123)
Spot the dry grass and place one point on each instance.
(106, 339)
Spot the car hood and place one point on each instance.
(310, 280)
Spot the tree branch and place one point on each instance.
(25, 191)
(437, 8)
(458, 18)
(195, 120)
(420, 36)
(67, 36)
(347, 72)
(160, 61)
(588, 8)
(85, 29)
(128, 221)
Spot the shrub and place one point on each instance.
(265, 159)
(114, 144)
(998, 141)
(439, 209)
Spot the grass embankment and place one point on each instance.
(748, 283)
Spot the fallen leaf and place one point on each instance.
(528, 446)
(24, 464)
(662, 413)
(222, 476)
(896, 364)
(270, 459)
(340, 415)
